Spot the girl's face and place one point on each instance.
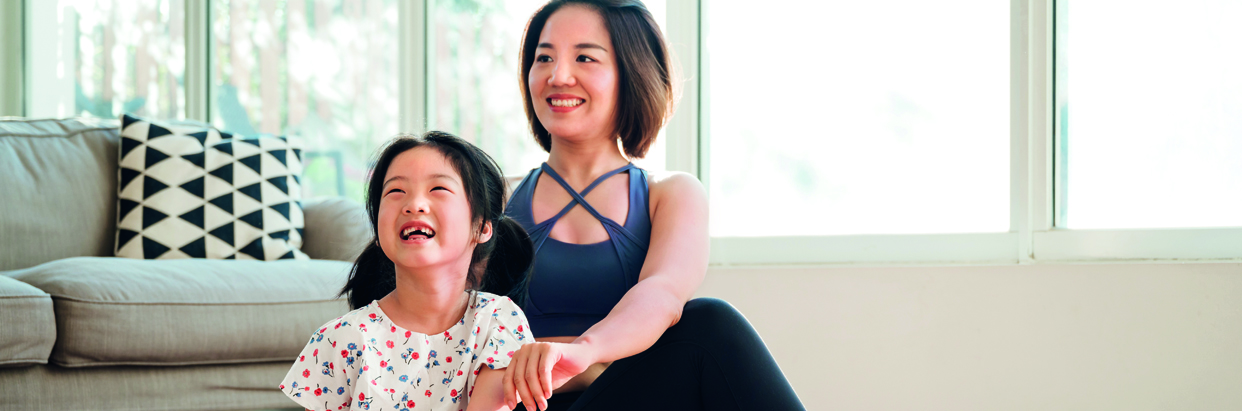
(424, 216)
(573, 80)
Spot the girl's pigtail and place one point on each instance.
(371, 278)
(508, 265)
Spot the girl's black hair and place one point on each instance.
(499, 266)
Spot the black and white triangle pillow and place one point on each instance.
(194, 192)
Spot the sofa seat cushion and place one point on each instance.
(29, 324)
(118, 311)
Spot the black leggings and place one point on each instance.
(712, 359)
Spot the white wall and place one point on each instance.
(1032, 337)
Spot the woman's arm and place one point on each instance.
(675, 266)
(488, 394)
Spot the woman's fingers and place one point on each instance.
(545, 376)
(510, 389)
(519, 376)
(534, 367)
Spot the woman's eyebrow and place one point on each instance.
(578, 46)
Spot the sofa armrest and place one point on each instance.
(336, 229)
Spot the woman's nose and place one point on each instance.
(562, 77)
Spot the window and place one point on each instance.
(835, 118)
(324, 71)
(969, 131)
(1148, 104)
(116, 70)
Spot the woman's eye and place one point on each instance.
(543, 58)
(585, 59)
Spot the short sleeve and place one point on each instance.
(507, 332)
(320, 378)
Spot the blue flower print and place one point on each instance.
(403, 378)
(349, 361)
(353, 347)
(295, 384)
(340, 391)
(432, 354)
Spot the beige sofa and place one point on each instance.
(84, 330)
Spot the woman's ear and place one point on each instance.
(485, 233)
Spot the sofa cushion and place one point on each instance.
(336, 229)
(197, 193)
(29, 325)
(117, 311)
(59, 190)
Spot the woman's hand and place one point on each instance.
(540, 367)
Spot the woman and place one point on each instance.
(619, 252)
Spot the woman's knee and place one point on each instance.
(711, 312)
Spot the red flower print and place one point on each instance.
(394, 329)
(458, 373)
(390, 344)
(490, 360)
(502, 328)
(409, 404)
(476, 371)
(362, 396)
(383, 363)
(338, 325)
(333, 343)
(415, 355)
(449, 359)
(318, 392)
(428, 393)
(379, 353)
(344, 353)
(332, 365)
(407, 335)
(305, 373)
(302, 358)
(321, 330)
(519, 328)
(453, 393)
(316, 352)
(372, 316)
(510, 354)
(282, 386)
(366, 367)
(446, 335)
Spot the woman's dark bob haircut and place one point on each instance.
(644, 81)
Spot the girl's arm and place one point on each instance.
(675, 266)
(488, 394)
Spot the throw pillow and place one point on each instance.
(194, 192)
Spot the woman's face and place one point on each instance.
(573, 80)
(424, 216)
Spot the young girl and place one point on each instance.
(428, 330)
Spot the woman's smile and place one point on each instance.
(564, 103)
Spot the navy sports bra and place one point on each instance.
(573, 286)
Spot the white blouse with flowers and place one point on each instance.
(363, 361)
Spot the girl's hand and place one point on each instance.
(540, 367)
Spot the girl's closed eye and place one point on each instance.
(395, 190)
(441, 188)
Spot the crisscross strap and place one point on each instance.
(609, 225)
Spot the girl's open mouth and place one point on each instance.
(417, 230)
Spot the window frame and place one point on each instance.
(1032, 236)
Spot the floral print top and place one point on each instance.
(363, 361)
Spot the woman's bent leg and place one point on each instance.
(711, 359)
